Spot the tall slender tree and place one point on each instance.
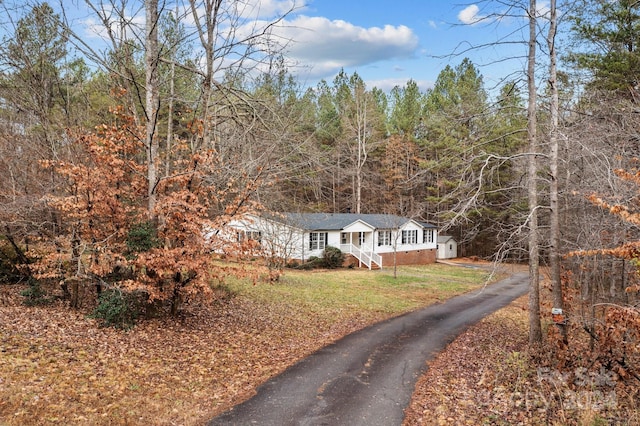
(535, 327)
(152, 100)
(554, 206)
(361, 121)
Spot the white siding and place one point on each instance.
(447, 248)
(292, 243)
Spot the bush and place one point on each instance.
(312, 262)
(142, 237)
(34, 295)
(333, 257)
(9, 264)
(305, 266)
(119, 309)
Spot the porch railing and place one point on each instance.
(366, 257)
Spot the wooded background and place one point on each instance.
(114, 159)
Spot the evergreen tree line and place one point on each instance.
(337, 147)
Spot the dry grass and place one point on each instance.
(58, 367)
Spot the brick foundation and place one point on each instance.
(414, 257)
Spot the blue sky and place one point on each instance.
(388, 42)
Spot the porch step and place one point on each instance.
(353, 261)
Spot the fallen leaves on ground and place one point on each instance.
(455, 389)
(58, 367)
(488, 375)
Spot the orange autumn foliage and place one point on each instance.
(631, 249)
(609, 311)
(102, 198)
(193, 214)
(96, 201)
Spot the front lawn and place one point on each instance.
(58, 367)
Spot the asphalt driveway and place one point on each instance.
(368, 377)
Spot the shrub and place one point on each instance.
(333, 257)
(142, 237)
(311, 263)
(34, 294)
(119, 309)
(9, 264)
(305, 266)
(314, 262)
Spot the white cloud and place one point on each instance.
(543, 9)
(469, 15)
(95, 29)
(265, 9)
(326, 46)
(315, 46)
(387, 84)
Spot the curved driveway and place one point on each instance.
(368, 377)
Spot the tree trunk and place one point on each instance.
(207, 35)
(21, 256)
(152, 100)
(535, 329)
(361, 131)
(76, 254)
(172, 94)
(554, 221)
(75, 293)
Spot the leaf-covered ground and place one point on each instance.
(489, 376)
(59, 368)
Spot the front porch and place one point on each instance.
(360, 245)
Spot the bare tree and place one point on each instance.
(152, 99)
(535, 328)
(361, 124)
(533, 152)
(554, 207)
(231, 52)
(35, 108)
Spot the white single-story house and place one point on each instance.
(447, 247)
(371, 239)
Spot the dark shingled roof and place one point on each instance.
(334, 221)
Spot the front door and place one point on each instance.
(362, 239)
